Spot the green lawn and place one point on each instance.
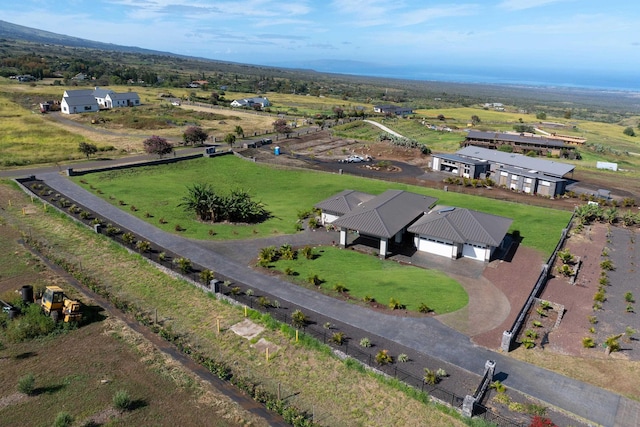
(157, 191)
(379, 279)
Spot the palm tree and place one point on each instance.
(610, 215)
(202, 200)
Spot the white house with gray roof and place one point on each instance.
(251, 102)
(340, 204)
(78, 101)
(396, 215)
(91, 100)
(458, 232)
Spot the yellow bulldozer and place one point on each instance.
(58, 306)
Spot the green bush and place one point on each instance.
(424, 308)
(383, 357)
(122, 400)
(338, 338)
(588, 342)
(33, 323)
(365, 342)
(403, 358)
(298, 319)
(26, 384)
(63, 419)
(628, 297)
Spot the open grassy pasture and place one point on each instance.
(159, 190)
(378, 279)
(313, 379)
(307, 106)
(26, 137)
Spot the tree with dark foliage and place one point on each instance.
(281, 126)
(194, 135)
(157, 145)
(87, 149)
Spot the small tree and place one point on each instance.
(239, 131)
(629, 131)
(87, 149)
(281, 126)
(194, 135)
(157, 145)
(230, 139)
(475, 120)
(541, 115)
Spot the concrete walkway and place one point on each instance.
(425, 335)
(384, 128)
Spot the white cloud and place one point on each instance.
(514, 5)
(420, 16)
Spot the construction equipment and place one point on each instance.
(58, 306)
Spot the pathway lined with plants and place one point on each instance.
(425, 335)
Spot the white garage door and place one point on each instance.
(470, 251)
(436, 248)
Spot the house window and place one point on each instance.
(87, 108)
(545, 183)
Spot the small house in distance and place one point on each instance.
(258, 101)
(392, 109)
(90, 100)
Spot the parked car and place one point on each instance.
(266, 141)
(353, 159)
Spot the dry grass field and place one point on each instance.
(79, 372)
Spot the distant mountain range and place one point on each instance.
(19, 32)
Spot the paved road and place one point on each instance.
(425, 335)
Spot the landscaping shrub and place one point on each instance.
(338, 338)
(383, 357)
(431, 376)
(538, 421)
(424, 308)
(298, 319)
(402, 357)
(588, 342)
(365, 342)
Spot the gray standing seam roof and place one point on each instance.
(476, 134)
(385, 215)
(460, 159)
(77, 101)
(461, 225)
(547, 167)
(344, 202)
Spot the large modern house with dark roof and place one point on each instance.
(396, 215)
(517, 172)
(519, 143)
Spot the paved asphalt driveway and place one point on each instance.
(425, 335)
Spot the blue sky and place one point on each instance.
(571, 37)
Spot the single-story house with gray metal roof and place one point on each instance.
(384, 217)
(458, 232)
(446, 231)
(343, 202)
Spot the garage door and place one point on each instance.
(470, 251)
(436, 248)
